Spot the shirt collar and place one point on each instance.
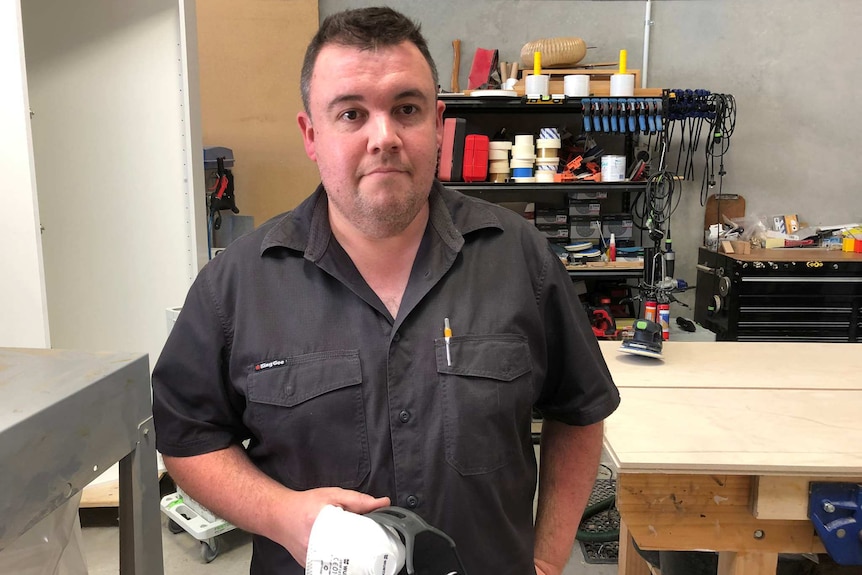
(306, 228)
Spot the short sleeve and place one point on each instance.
(195, 409)
(578, 387)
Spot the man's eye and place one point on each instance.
(350, 115)
(409, 109)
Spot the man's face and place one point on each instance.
(374, 129)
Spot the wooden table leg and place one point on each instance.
(630, 562)
(731, 563)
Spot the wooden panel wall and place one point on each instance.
(250, 59)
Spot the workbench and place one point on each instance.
(716, 445)
(65, 416)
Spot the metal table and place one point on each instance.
(65, 417)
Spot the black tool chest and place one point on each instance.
(780, 295)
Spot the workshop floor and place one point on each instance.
(182, 555)
(182, 552)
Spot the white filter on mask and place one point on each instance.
(344, 543)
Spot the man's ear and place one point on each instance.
(307, 130)
(441, 107)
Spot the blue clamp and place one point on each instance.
(621, 112)
(633, 115)
(659, 123)
(612, 107)
(642, 110)
(650, 115)
(606, 124)
(835, 509)
(587, 107)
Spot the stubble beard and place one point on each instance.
(378, 218)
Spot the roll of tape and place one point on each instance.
(622, 85)
(524, 180)
(522, 172)
(537, 85)
(525, 153)
(518, 163)
(546, 167)
(499, 166)
(546, 154)
(576, 85)
(523, 140)
(498, 154)
(545, 177)
(494, 145)
(549, 134)
(500, 177)
(549, 143)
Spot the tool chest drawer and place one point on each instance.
(780, 295)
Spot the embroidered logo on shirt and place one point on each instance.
(269, 364)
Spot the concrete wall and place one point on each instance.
(792, 66)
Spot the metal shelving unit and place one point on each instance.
(543, 193)
(487, 114)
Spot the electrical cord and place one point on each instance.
(722, 125)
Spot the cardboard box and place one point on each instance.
(583, 228)
(554, 230)
(555, 217)
(735, 247)
(580, 208)
(591, 195)
(621, 225)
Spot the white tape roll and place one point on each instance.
(543, 143)
(576, 85)
(538, 85)
(518, 163)
(545, 177)
(622, 85)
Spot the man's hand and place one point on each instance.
(265, 507)
(302, 507)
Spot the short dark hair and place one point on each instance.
(366, 29)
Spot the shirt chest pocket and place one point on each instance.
(487, 397)
(309, 412)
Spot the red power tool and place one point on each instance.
(601, 320)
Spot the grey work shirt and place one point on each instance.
(282, 342)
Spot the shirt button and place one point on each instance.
(404, 416)
(412, 501)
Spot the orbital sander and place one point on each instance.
(647, 340)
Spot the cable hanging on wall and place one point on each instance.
(699, 115)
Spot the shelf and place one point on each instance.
(538, 192)
(508, 104)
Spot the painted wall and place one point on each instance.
(792, 66)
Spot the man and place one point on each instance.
(319, 338)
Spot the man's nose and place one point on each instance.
(383, 134)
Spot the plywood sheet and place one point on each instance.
(748, 431)
(250, 61)
(752, 365)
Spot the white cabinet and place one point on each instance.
(100, 146)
